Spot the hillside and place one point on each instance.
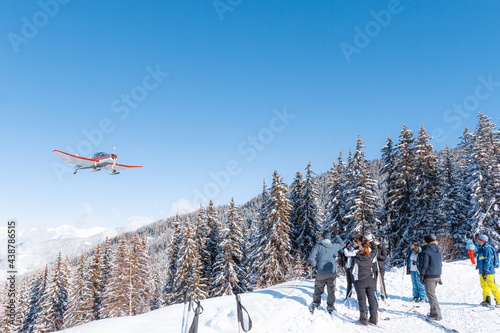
(283, 308)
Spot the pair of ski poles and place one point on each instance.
(188, 306)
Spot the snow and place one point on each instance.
(284, 308)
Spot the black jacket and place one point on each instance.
(430, 265)
(382, 254)
(362, 266)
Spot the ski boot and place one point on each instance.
(486, 302)
(313, 307)
(330, 309)
(415, 299)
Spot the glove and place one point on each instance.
(440, 282)
(484, 275)
(422, 280)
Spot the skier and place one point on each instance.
(485, 258)
(323, 256)
(362, 270)
(430, 268)
(350, 252)
(412, 269)
(381, 256)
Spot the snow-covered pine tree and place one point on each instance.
(485, 177)
(22, 304)
(276, 253)
(465, 175)
(55, 300)
(388, 183)
(261, 238)
(202, 232)
(79, 310)
(362, 219)
(453, 206)
(229, 261)
(139, 276)
(337, 193)
(116, 295)
(212, 245)
(37, 290)
(425, 218)
(311, 215)
(97, 281)
(400, 232)
(296, 214)
(169, 291)
(189, 277)
(155, 285)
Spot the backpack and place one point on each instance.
(496, 262)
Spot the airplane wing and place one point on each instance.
(75, 159)
(119, 167)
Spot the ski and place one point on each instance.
(355, 321)
(434, 323)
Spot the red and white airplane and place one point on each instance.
(95, 162)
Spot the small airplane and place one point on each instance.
(94, 162)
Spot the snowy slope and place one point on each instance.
(283, 308)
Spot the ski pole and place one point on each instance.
(487, 278)
(403, 277)
(184, 321)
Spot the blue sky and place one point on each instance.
(215, 98)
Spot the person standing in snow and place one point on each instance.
(412, 269)
(381, 256)
(430, 267)
(486, 269)
(323, 256)
(350, 252)
(362, 270)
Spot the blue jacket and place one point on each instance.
(323, 255)
(408, 263)
(485, 258)
(430, 264)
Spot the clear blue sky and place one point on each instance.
(68, 68)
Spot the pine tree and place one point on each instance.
(173, 257)
(427, 193)
(139, 276)
(229, 261)
(116, 296)
(400, 232)
(337, 193)
(79, 310)
(310, 219)
(213, 243)
(362, 219)
(189, 277)
(453, 204)
(484, 158)
(97, 280)
(37, 290)
(202, 232)
(296, 214)
(389, 183)
(276, 253)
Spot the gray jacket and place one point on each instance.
(323, 255)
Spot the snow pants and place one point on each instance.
(380, 275)
(323, 279)
(418, 287)
(365, 288)
(487, 285)
(430, 289)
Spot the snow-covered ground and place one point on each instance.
(284, 308)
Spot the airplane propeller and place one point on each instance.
(114, 157)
